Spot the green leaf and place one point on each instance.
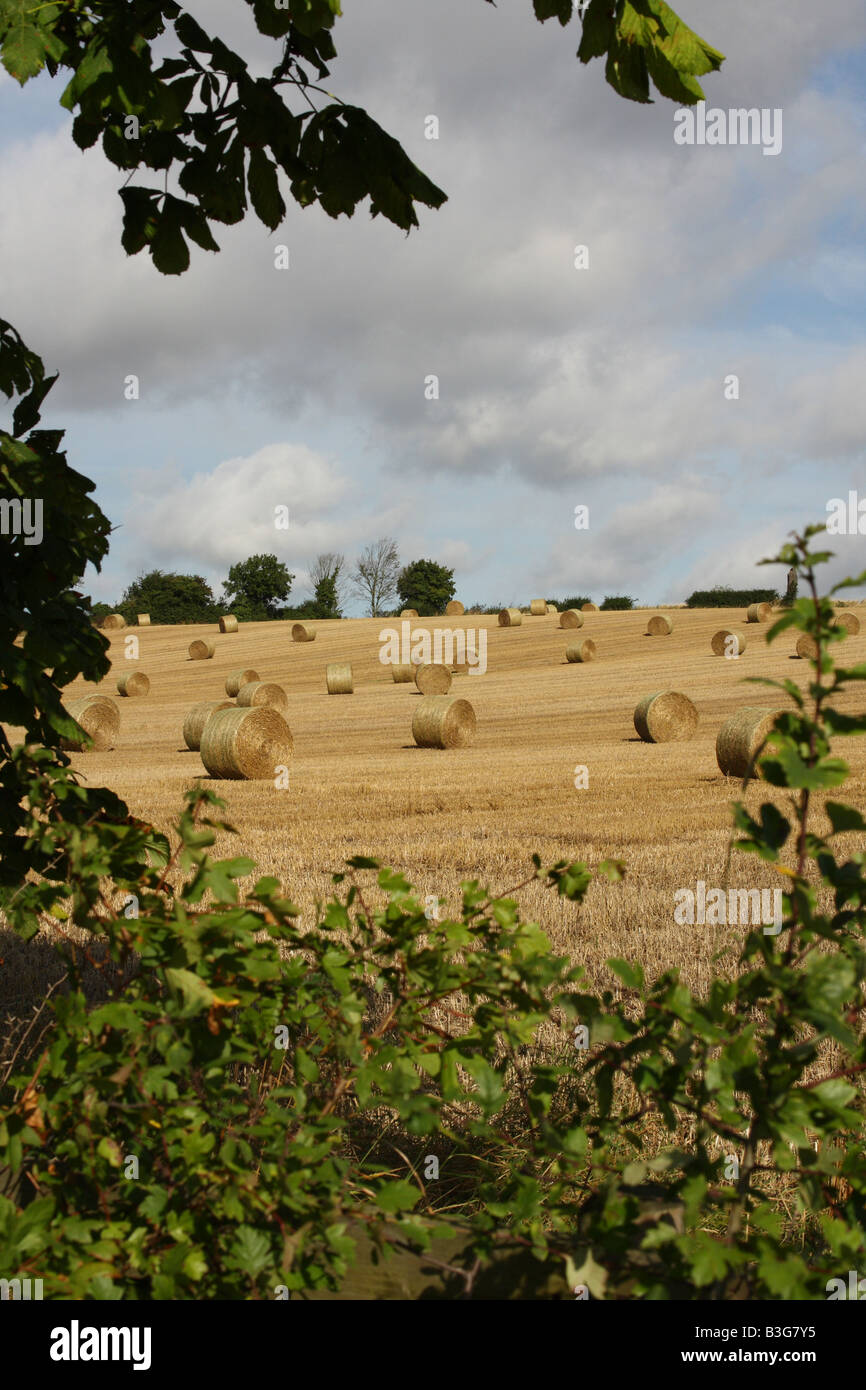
(843, 818)
(598, 30)
(264, 189)
(401, 1195)
(250, 1252)
(169, 250)
(553, 9)
(632, 976)
(196, 994)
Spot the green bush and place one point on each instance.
(616, 602)
(721, 597)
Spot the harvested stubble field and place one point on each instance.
(359, 785)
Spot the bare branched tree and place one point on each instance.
(327, 566)
(375, 574)
(326, 570)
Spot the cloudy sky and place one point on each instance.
(558, 386)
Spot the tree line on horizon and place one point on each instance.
(257, 590)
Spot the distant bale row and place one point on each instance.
(510, 617)
(98, 718)
(133, 683)
(249, 743)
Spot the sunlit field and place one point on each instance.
(359, 785)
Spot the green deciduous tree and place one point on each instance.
(169, 598)
(425, 586)
(256, 587)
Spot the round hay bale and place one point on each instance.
(196, 719)
(510, 617)
(659, 626)
(133, 683)
(538, 607)
(263, 693)
(338, 678)
(666, 716)
(143, 619)
(727, 637)
(246, 743)
(759, 612)
(589, 608)
(96, 715)
(236, 679)
(443, 721)
(300, 633)
(584, 650)
(409, 613)
(569, 617)
(402, 672)
(113, 622)
(741, 737)
(807, 647)
(849, 621)
(454, 609)
(433, 678)
(552, 608)
(200, 650)
(229, 623)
